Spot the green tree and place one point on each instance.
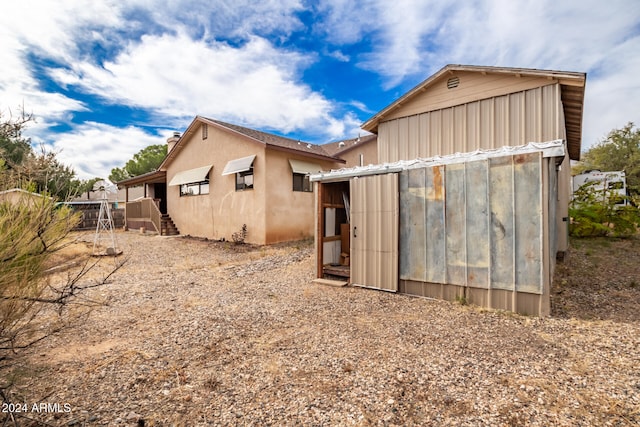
(14, 148)
(619, 151)
(25, 168)
(595, 212)
(146, 160)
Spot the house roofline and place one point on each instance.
(200, 119)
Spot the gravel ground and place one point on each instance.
(196, 332)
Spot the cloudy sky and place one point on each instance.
(106, 78)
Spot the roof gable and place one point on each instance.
(460, 84)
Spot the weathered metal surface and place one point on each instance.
(502, 223)
(455, 225)
(528, 222)
(476, 224)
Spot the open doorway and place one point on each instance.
(334, 243)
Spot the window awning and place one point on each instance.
(191, 175)
(238, 165)
(298, 166)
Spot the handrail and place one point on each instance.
(146, 209)
(155, 215)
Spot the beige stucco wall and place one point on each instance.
(272, 211)
(289, 214)
(224, 210)
(19, 197)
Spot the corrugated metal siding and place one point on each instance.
(374, 225)
(514, 119)
(477, 224)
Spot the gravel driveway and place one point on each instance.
(207, 333)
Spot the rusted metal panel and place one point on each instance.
(476, 224)
(436, 230)
(413, 225)
(374, 239)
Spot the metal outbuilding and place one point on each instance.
(478, 226)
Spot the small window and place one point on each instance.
(194, 188)
(244, 180)
(205, 131)
(301, 182)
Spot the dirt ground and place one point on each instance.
(192, 332)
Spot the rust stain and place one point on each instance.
(437, 183)
(519, 159)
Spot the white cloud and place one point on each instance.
(93, 149)
(413, 39)
(255, 83)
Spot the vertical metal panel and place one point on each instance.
(459, 126)
(424, 140)
(515, 119)
(455, 224)
(487, 123)
(533, 110)
(528, 222)
(413, 225)
(436, 225)
(477, 223)
(435, 134)
(405, 149)
(422, 225)
(447, 143)
(551, 113)
(374, 240)
(473, 126)
(393, 144)
(413, 137)
(502, 222)
(501, 122)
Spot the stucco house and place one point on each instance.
(218, 176)
(460, 205)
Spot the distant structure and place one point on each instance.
(104, 226)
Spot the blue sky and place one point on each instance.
(106, 78)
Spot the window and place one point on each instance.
(244, 180)
(205, 131)
(194, 188)
(301, 182)
(192, 182)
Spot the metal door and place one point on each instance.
(374, 232)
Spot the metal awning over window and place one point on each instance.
(238, 165)
(298, 166)
(191, 175)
